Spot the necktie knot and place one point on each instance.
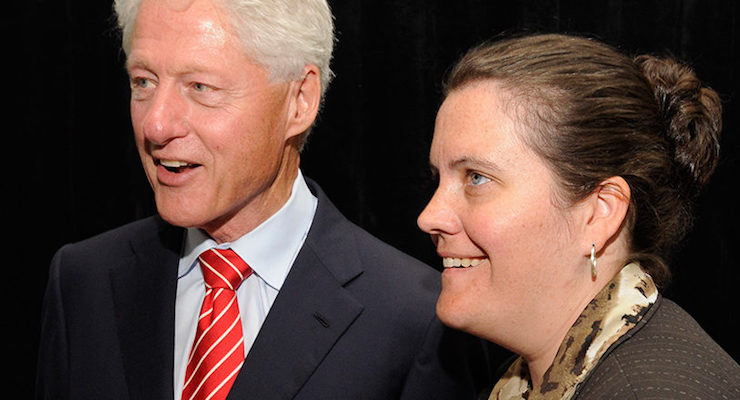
(223, 268)
(217, 354)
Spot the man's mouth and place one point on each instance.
(452, 262)
(176, 166)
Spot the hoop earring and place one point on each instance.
(593, 261)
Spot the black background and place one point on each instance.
(72, 168)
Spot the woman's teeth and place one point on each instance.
(450, 262)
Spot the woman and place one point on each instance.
(566, 170)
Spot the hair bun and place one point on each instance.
(692, 114)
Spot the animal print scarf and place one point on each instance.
(615, 310)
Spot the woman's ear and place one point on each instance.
(607, 207)
(305, 100)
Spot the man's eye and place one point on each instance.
(142, 83)
(477, 179)
(141, 88)
(205, 94)
(200, 87)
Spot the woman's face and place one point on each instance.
(508, 249)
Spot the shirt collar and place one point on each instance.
(271, 247)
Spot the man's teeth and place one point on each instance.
(450, 262)
(173, 163)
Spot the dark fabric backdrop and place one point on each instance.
(74, 171)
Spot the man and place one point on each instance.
(223, 94)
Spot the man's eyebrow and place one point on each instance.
(135, 63)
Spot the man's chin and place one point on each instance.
(216, 228)
(178, 217)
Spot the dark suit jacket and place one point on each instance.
(666, 356)
(353, 320)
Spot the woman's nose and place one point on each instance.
(438, 217)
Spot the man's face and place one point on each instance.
(211, 129)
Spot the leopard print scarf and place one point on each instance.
(615, 310)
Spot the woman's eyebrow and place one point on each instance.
(476, 162)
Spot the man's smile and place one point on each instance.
(175, 166)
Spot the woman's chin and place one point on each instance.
(450, 313)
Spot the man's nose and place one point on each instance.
(438, 217)
(166, 115)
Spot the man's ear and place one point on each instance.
(305, 99)
(607, 207)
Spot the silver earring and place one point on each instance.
(593, 261)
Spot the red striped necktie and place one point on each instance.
(218, 350)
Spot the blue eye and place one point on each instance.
(142, 88)
(477, 179)
(140, 83)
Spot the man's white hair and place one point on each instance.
(281, 35)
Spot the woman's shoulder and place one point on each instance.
(668, 355)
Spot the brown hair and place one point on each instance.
(597, 113)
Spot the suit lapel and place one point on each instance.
(309, 315)
(144, 289)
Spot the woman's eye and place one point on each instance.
(477, 179)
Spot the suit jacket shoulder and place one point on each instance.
(668, 355)
(120, 243)
(108, 315)
(348, 251)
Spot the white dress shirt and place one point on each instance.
(269, 249)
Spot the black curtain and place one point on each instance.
(74, 171)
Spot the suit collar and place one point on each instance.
(332, 236)
(144, 289)
(311, 312)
